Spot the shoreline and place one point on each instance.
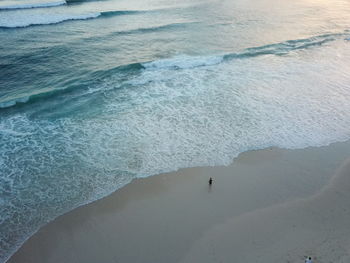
(162, 216)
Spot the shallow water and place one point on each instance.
(96, 93)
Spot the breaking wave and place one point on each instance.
(173, 113)
(18, 21)
(33, 5)
(185, 62)
(154, 29)
(45, 19)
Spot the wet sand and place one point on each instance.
(271, 205)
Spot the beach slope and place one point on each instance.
(271, 205)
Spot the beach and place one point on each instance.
(271, 205)
(114, 114)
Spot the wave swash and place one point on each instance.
(167, 114)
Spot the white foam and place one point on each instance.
(12, 102)
(165, 119)
(183, 62)
(33, 5)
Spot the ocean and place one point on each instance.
(94, 94)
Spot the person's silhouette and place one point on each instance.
(210, 181)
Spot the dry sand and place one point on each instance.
(270, 205)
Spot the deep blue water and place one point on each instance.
(96, 93)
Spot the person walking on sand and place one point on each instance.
(211, 182)
(308, 260)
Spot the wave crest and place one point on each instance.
(186, 62)
(46, 20)
(278, 49)
(15, 21)
(33, 5)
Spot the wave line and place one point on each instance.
(34, 5)
(185, 62)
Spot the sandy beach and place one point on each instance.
(271, 205)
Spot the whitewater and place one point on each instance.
(94, 94)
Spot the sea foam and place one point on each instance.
(180, 112)
(188, 62)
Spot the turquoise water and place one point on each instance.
(96, 93)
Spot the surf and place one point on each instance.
(33, 5)
(57, 18)
(79, 144)
(180, 63)
(47, 19)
